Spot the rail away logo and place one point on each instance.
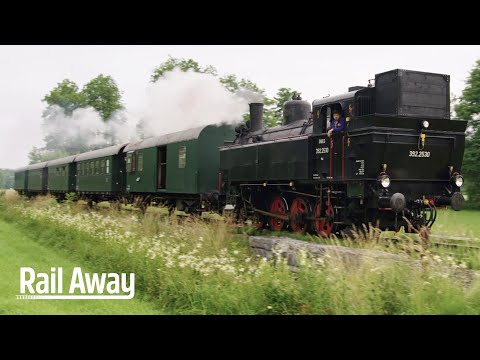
(82, 286)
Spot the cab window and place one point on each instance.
(326, 115)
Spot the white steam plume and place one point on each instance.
(182, 100)
(85, 128)
(177, 101)
(250, 96)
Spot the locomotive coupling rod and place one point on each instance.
(287, 218)
(277, 216)
(301, 193)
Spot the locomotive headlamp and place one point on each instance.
(458, 180)
(384, 181)
(425, 124)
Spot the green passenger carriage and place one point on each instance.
(21, 177)
(179, 169)
(101, 173)
(37, 175)
(62, 175)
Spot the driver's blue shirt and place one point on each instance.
(340, 125)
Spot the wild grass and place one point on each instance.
(188, 266)
(20, 248)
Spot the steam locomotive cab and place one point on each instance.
(401, 155)
(398, 159)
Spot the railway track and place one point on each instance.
(445, 241)
(468, 243)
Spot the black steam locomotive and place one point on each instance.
(399, 159)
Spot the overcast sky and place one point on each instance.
(27, 73)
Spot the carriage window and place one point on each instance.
(129, 162)
(108, 167)
(140, 162)
(134, 162)
(182, 157)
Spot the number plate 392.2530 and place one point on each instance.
(419, 154)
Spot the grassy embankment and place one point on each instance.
(191, 267)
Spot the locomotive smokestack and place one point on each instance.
(256, 116)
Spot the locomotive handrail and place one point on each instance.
(360, 131)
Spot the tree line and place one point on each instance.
(6, 179)
(103, 94)
(468, 108)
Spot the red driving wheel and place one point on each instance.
(278, 206)
(323, 227)
(299, 212)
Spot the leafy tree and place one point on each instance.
(468, 108)
(66, 95)
(100, 93)
(182, 64)
(469, 105)
(283, 95)
(6, 178)
(471, 169)
(103, 95)
(232, 84)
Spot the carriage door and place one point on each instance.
(162, 167)
(44, 179)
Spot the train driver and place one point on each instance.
(339, 124)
